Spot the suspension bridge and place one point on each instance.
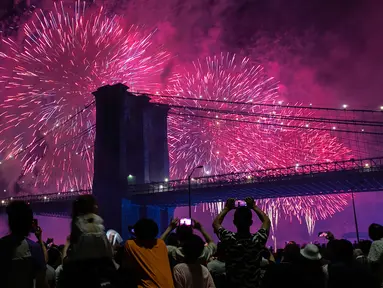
(361, 131)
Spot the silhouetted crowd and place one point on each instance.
(92, 257)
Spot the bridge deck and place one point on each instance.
(361, 175)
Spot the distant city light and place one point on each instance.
(166, 179)
(345, 106)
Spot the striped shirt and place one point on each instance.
(243, 257)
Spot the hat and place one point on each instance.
(311, 252)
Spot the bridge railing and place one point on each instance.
(50, 197)
(258, 176)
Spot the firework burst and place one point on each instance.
(246, 136)
(65, 56)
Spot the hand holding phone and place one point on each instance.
(35, 225)
(322, 234)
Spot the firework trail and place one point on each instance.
(206, 137)
(64, 57)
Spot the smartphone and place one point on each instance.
(322, 234)
(186, 221)
(35, 225)
(240, 203)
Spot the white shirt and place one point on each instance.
(192, 276)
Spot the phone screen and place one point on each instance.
(186, 221)
(240, 203)
(322, 234)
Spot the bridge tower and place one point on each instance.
(130, 148)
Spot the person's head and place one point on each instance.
(172, 240)
(84, 204)
(291, 253)
(311, 253)
(146, 229)
(20, 218)
(375, 231)
(365, 246)
(183, 232)
(243, 218)
(193, 248)
(342, 251)
(54, 257)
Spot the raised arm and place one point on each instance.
(39, 236)
(266, 223)
(217, 223)
(199, 227)
(172, 225)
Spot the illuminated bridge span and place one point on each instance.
(360, 175)
(355, 175)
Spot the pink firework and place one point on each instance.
(65, 56)
(228, 137)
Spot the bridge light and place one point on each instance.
(248, 177)
(333, 128)
(345, 106)
(166, 179)
(71, 190)
(297, 165)
(45, 197)
(5, 190)
(366, 165)
(381, 108)
(280, 102)
(2, 201)
(161, 186)
(311, 104)
(11, 198)
(307, 125)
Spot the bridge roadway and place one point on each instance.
(362, 175)
(359, 175)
